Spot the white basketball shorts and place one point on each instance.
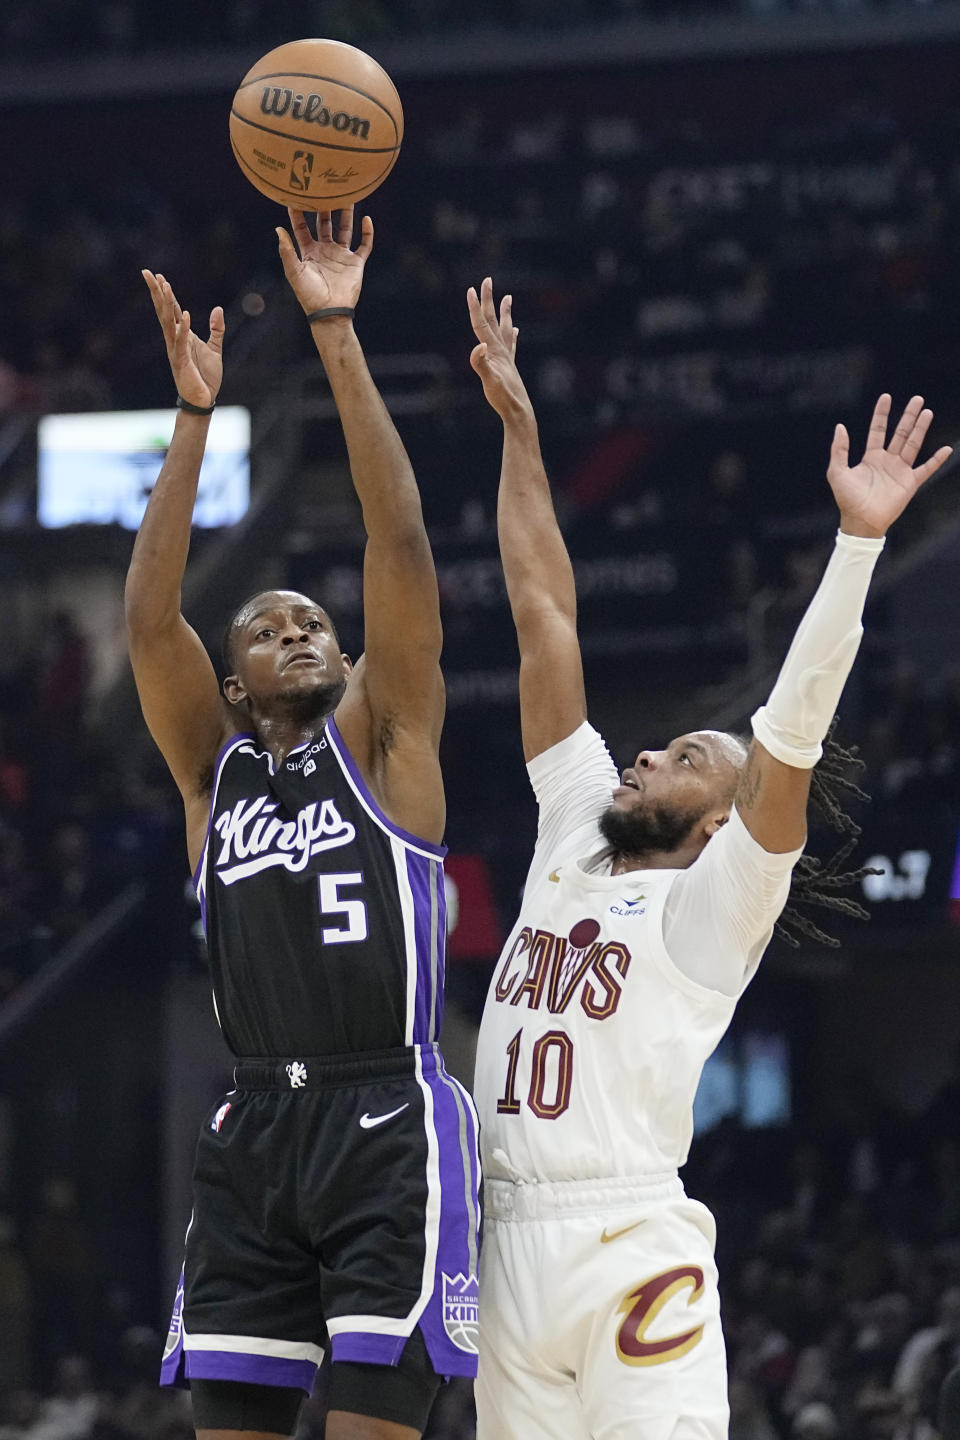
(599, 1314)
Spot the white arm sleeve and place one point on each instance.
(721, 910)
(794, 721)
(574, 783)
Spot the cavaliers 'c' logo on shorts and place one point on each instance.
(641, 1308)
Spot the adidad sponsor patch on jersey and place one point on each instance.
(254, 838)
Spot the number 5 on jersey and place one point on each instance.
(551, 1076)
(332, 904)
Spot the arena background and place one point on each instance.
(725, 227)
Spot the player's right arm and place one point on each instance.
(536, 565)
(790, 728)
(176, 681)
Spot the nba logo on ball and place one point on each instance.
(301, 167)
(461, 1311)
(316, 118)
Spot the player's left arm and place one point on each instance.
(790, 729)
(392, 713)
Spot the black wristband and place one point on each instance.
(190, 409)
(333, 310)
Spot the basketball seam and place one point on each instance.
(299, 194)
(328, 79)
(309, 140)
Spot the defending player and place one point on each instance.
(648, 905)
(335, 1187)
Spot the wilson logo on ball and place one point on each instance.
(278, 100)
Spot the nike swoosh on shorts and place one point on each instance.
(605, 1238)
(368, 1121)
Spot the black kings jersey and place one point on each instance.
(325, 922)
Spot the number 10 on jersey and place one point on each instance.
(551, 1076)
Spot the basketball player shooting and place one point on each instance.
(650, 899)
(335, 1186)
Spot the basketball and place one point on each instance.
(316, 124)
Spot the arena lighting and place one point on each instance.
(99, 469)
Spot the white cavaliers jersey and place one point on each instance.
(593, 1040)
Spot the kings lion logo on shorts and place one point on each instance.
(642, 1306)
(461, 1310)
(174, 1334)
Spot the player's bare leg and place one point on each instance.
(341, 1426)
(240, 1435)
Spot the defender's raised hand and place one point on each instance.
(327, 273)
(872, 494)
(197, 365)
(494, 358)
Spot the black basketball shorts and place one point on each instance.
(335, 1202)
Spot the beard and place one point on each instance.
(643, 830)
(312, 700)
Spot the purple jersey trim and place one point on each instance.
(350, 765)
(240, 735)
(253, 1369)
(366, 1349)
(425, 878)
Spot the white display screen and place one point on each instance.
(747, 1077)
(99, 469)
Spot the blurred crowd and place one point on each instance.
(55, 28)
(77, 821)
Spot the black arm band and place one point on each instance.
(189, 409)
(334, 310)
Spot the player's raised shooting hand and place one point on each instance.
(494, 357)
(197, 365)
(872, 494)
(327, 273)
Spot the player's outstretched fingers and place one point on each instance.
(218, 327)
(476, 314)
(153, 285)
(918, 433)
(933, 464)
(345, 226)
(365, 248)
(300, 228)
(506, 319)
(839, 452)
(324, 225)
(877, 434)
(486, 303)
(288, 255)
(182, 337)
(906, 427)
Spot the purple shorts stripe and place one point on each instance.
(171, 1366)
(449, 1322)
(253, 1369)
(350, 765)
(366, 1349)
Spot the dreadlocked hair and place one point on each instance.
(816, 882)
